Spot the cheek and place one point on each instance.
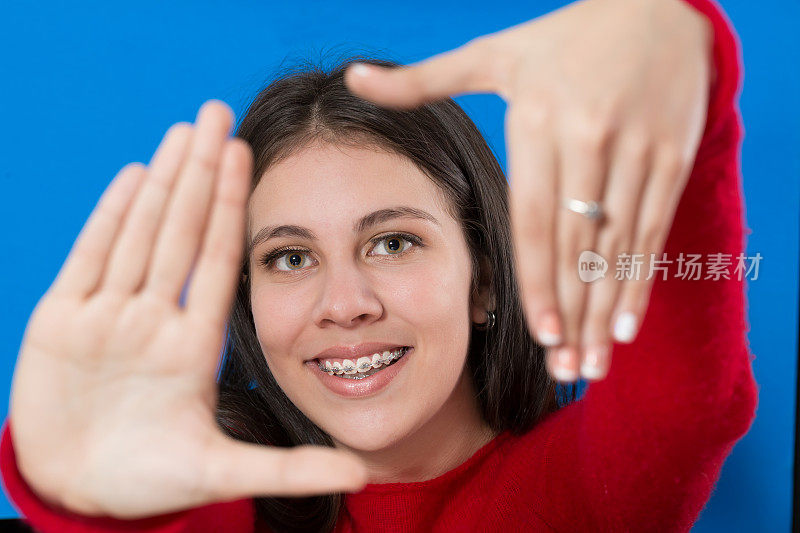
(279, 317)
(434, 302)
(437, 293)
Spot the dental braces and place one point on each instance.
(363, 366)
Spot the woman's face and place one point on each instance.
(348, 285)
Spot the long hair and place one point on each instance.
(514, 390)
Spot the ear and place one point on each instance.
(482, 299)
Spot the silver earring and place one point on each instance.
(489, 324)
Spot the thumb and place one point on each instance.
(240, 469)
(463, 70)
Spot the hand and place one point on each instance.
(606, 101)
(114, 394)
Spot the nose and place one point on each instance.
(347, 297)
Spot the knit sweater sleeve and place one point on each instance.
(235, 516)
(642, 449)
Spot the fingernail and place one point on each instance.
(593, 358)
(562, 369)
(360, 69)
(625, 327)
(548, 330)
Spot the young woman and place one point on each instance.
(374, 315)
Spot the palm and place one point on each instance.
(114, 392)
(143, 414)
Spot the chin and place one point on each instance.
(366, 437)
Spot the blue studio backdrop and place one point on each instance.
(89, 86)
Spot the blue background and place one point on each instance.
(87, 87)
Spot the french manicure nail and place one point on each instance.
(625, 327)
(562, 369)
(548, 330)
(592, 360)
(360, 69)
(563, 374)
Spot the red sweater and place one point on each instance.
(640, 451)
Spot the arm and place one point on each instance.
(228, 516)
(644, 448)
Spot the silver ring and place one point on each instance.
(591, 210)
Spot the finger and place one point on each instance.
(465, 69)
(656, 212)
(559, 362)
(187, 213)
(626, 178)
(583, 165)
(85, 264)
(239, 470)
(133, 248)
(212, 286)
(532, 170)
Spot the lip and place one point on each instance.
(360, 388)
(354, 352)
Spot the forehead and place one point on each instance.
(324, 182)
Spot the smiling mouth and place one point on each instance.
(363, 367)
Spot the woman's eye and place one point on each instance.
(293, 260)
(393, 244)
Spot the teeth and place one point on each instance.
(362, 365)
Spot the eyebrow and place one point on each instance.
(367, 221)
